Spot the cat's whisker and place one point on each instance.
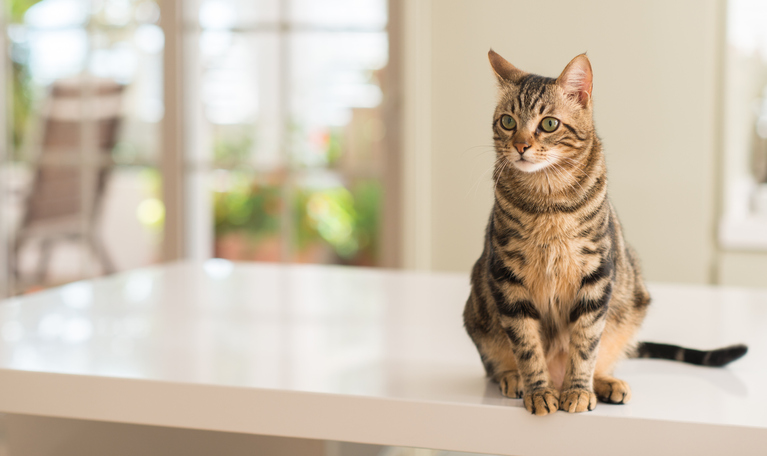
(576, 166)
(566, 177)
(489, 148)
(483, 153)
(574, 181)
(500, 174)
(497, 174)
(476, 183)
(573, 163)
(557, 162)
(547, 179)
(572, 178)
(560, 176)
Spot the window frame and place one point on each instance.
(188, 232)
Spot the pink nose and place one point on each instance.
(521, 147)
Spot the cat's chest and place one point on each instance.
(553, 263)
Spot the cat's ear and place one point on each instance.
(502, 68)
(576, 79)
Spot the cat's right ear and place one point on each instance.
(504, 71)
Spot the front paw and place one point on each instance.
(542, 401)
(577, 400)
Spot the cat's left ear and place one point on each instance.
(576, 79)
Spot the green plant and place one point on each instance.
(345, 219)
(252, 208)
(17, 8)
(21, 93)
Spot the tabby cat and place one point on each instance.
(557, 295)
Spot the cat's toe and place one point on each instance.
(511, 385)
(542, 401)
(577, 400)
(612, 390)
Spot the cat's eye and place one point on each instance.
(549, 124)
(508, 122)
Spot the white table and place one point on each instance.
(359, 355)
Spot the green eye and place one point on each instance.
(508, 122)
(549, 124)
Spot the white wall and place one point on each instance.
(655, 84)
(747, 269)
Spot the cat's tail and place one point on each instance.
(717, 358)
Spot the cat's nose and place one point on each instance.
(521, 147)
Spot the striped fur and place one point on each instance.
(716, 358)
(557, 295)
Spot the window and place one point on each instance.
(286, 132)
(744, 223)
(80, 180)
(246, 130)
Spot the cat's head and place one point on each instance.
(541, 122)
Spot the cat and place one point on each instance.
(557, 295)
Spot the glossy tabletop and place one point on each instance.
(363, 355)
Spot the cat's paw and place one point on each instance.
(542, 401)
(612, 390)
(577, 400)
(511, 385)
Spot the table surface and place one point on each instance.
(363, 355)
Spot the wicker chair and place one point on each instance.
(78, 127)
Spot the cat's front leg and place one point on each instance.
(540, 397)
(587, 322)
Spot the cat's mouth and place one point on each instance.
(528, 166)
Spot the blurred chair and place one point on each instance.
(78, 128)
